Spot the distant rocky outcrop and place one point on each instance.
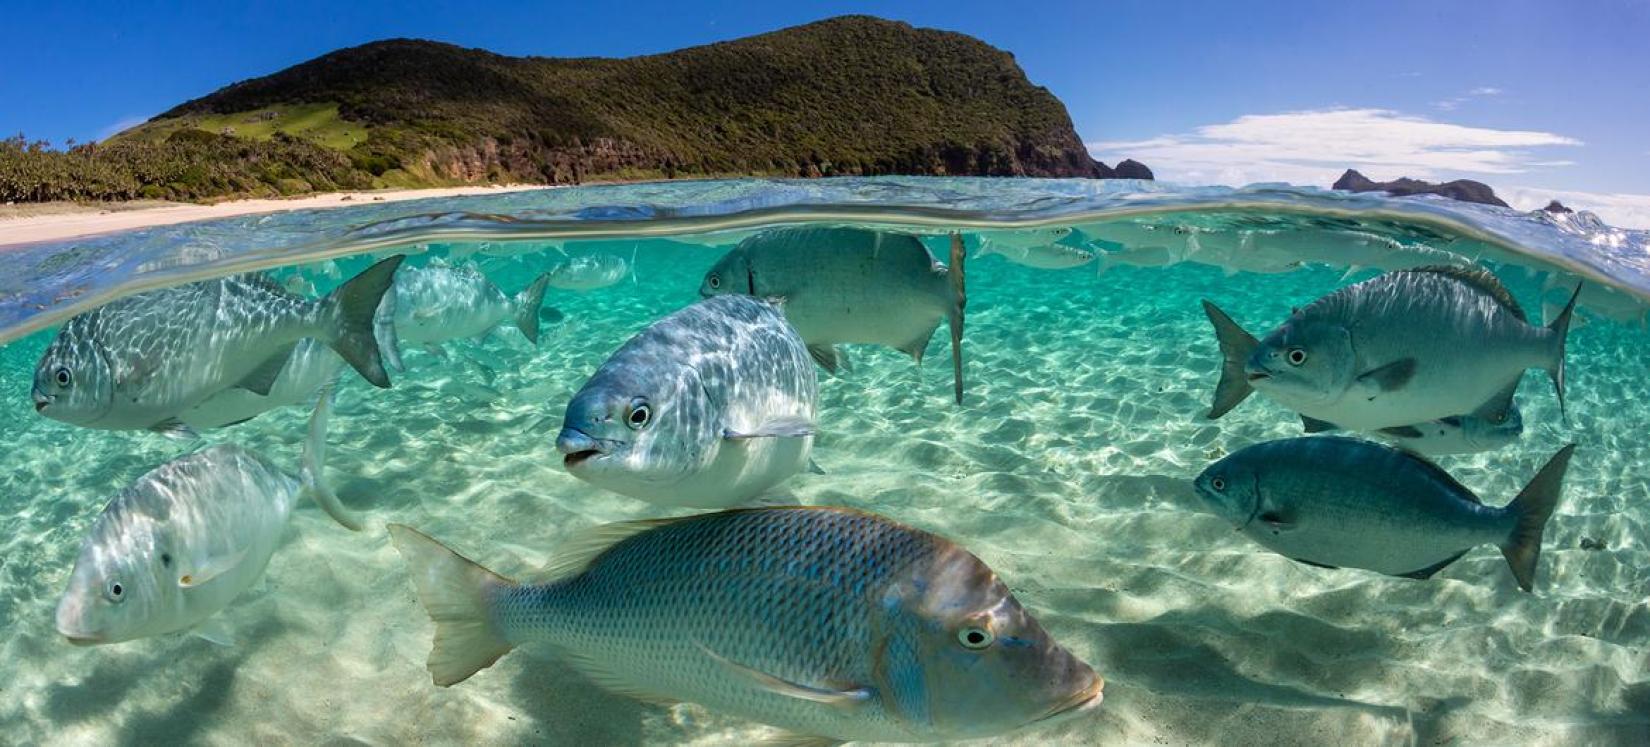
(1557, 208)
(1129, 168)
(1465, 190)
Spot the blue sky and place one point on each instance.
(1517, 93)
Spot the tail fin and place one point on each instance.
(1561, 329)
(457, 593)
(527, 307)
(352, 308)
(389, 344)
(1235, 347)
(312, 474)
(959, 301)
(1533, 508)
(985, 249)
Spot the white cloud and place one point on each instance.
(1620, 210)
(1485, 91)
(1452, 102)
(1314, 147)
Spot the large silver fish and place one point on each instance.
(437, 303)
(708, 407)
(1402, 348)
(830, 623)
(183, 541)
(851, 285)
(142, 361)
(1343, 502)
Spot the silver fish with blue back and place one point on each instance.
(830, 623)
(1402, 348)
(141, 362)
(707, 407)
(175, 547)
(851, 285)
(1347, 503)
(436, 303)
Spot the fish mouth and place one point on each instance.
(1255, 376)
(578, 447)
(1083, 700)
(83, 640)
(40, 404)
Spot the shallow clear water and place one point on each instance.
(1067, 470)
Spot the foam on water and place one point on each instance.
(1067, 471)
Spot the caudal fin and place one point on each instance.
(959, 301)
(457, 593)
(1235, 347)
(527, 307)
(1533, 508)
(351, 309)
(1561, 330)
(389, 343)
(312, 475)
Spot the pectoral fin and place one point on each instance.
(814, 468)
(788, 426)
(1390, 377)
(1277, 521)
(790, 689)
(1402, 431)
(213, 567)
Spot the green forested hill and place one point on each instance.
(850, 95)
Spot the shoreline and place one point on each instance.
(30, 223)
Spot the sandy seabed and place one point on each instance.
(1067, 471)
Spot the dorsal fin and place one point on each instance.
(1481, 279)
(576, 554)
(1440, 475)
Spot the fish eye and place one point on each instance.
(62, 376)
(714, 281)
(1218, 483)
(639, 415)
(1297, 356)
(116, 592)
(975, 638)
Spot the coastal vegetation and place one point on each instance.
(846, 96)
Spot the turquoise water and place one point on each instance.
(1067, 470)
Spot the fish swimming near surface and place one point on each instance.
(1402, 348)
(1038, 248)
(1343, 502)
(707, 407)
(178, 545)
(830, 623)
(312, 366)
(436, 303)
(587, 272)
(851, 285)
(142, 361)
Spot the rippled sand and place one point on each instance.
(1067, 471)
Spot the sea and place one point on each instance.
(1068, 468)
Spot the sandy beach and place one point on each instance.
(56, 221)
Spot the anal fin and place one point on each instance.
(262, 379)
(1314, 425)
(1428, 571)
(828, 357)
